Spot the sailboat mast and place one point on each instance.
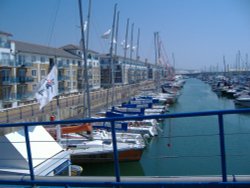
(156, 47)
(137, 45)
(87, 109)
(126, 40)
(157, 59)
(111, 56)
(247, 68)
(131, 41)
(116, 32)
(88, 26)
(224, 64)
(173, 72)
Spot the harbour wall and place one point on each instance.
(71, 105)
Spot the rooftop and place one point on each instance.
(43, 50)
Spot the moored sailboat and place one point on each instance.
(100, 149)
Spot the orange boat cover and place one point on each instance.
(77, 128)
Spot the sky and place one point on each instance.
(198, 32)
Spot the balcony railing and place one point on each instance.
(63, 90)
(7, 63)
(22, 79)
(25, 96)
(4, 44)
(222, 181)
(24, 64)
(8, 80)
(62, 78)
(17, 96)
(61, 65)
(15, 80)
(9, 98)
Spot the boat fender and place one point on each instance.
(146, 138)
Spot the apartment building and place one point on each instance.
(93, 65)
(128, 71)
(23, 65)
(8, 69)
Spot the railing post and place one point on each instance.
(116, 157)
(222, 148)
(27, 141)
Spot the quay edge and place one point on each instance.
(71, 105)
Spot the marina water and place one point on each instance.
(190, 146)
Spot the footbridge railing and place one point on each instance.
(118, 180)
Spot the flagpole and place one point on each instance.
(86, 80)
(58, 117)
(47, 90)
(111, 56)
(58, 112)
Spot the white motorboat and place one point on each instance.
(243, 100)
(48, 157)
(100, 149)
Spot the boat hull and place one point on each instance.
(242, 102)
(124, 156)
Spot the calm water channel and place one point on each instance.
(190, 146)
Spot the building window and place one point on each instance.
(68, 73)
(4, 43)
(21, 91)
(34, 87)
(43, 72)
(5, 75)
(42, 59)
(6, 93)
(21, 72)
(79, 63)
(33, 72)
(5, 56)
(21, 58)
(33, 58)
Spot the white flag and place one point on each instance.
(123, 43)
(106, 34)
(134, 48)
(85, 26)
(114, 41)
(48, 88)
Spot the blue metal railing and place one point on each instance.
(33, 180)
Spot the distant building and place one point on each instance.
(8, 78)
(126, 71)
(93, 65)
(23, 65)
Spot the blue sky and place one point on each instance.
(198, 32)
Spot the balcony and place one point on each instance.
(7, 63)
(24, 64)
(25, 96)
(62, 65)
(15, 80)
(63, 78)
(8, 80)
(63, 90)
(24, 79)
(4, 44)
(9, 98)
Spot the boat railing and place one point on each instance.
(219, 181)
